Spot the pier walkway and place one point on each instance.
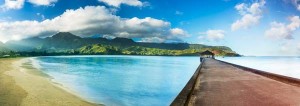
(217, 83)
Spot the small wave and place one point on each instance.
(35, 63)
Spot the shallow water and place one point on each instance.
(121, 80)
(287, 66)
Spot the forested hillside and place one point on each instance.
(65, 43)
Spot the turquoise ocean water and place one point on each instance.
(121, 80)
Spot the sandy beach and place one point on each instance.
(23, 85)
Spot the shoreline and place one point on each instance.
(36, 86)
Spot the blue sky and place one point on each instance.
(249, 27)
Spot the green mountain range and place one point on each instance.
(65, 43)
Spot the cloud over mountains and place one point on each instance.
(93, 20)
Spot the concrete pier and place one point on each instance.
(217, 83)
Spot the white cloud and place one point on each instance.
(295, 23)
(178, 31)
(12, 4)
(18, 4)
(213, 35)
(295, 3)
(89, 21)
(282, 31)
(250, 15)
(241, 8)
(117, 3)
(42, 2)
(245, 22)
(255, 8)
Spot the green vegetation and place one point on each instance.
(65, 43)
(139, 50)
(99, 49)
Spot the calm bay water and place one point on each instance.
(287, 66)
(121, 80)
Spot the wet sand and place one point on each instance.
(23, 85)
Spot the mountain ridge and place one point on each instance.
(66, 42)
